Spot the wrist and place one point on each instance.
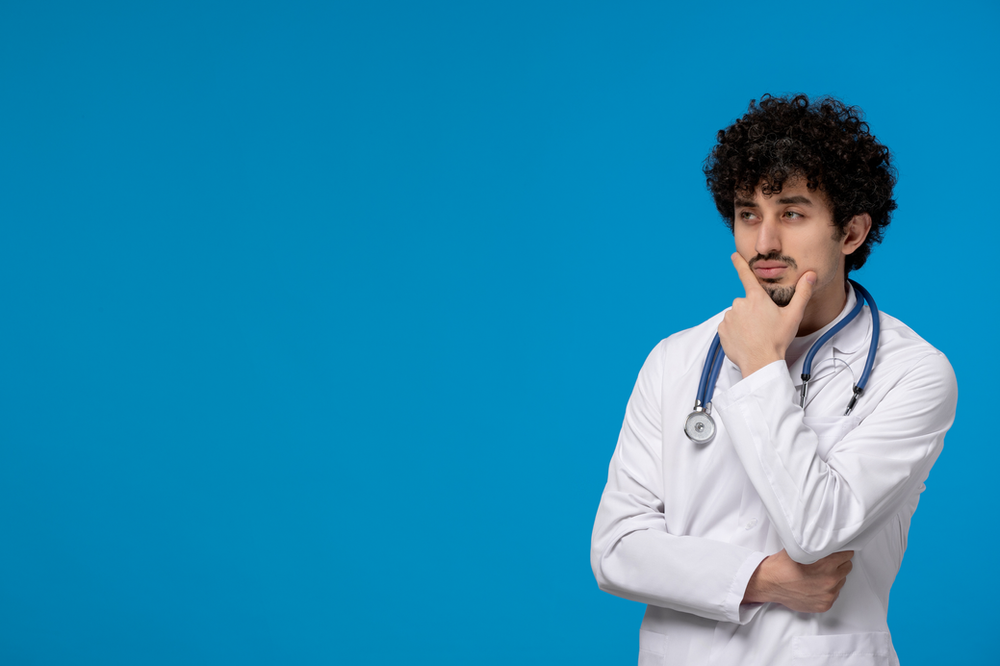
(755, 364)
(755, 591)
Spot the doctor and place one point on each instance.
(777, 541)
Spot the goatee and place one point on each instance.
(781, 296)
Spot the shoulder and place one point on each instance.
(902, 344)
(685, 348)
(911, 360)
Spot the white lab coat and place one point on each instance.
(682, 527)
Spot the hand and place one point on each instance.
(756, 332)
(806, 588)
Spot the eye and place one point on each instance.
(791, 214)
(747, 215)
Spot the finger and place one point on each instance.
(749, 280)
(803, 292)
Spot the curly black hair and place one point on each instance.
(825, 142)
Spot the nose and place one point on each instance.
(768, 236)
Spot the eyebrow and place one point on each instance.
(796, 200)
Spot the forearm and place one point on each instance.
(821, 505)
(633, 559)
(633, 552)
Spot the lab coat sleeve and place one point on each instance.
(632, 554)
(819, 506)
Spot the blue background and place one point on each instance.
(320, 318)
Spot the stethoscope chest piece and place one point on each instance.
(699, 427)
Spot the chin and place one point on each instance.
(781, 296)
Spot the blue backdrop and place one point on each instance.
(320, 318)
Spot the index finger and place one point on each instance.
(747, 277)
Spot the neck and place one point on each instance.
(824, 306)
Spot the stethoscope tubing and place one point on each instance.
(716, 356)
(807, 364)
(859, 387)
(720, 356)
(707, 371)
(876, 330)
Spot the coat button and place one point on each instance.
(752, 524)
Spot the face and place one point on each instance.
(783, 235)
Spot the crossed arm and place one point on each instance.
(818, 508)
(636, 557)
(754, 334)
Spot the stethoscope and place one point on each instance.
(700, 427)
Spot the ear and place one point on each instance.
(857, 232)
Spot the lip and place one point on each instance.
(769, 269)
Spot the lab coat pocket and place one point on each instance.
(830, 430)
(869, 649)
(652, 648)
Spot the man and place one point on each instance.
(777, 541)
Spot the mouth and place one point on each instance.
(769, 270)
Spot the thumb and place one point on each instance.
(803, 292)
